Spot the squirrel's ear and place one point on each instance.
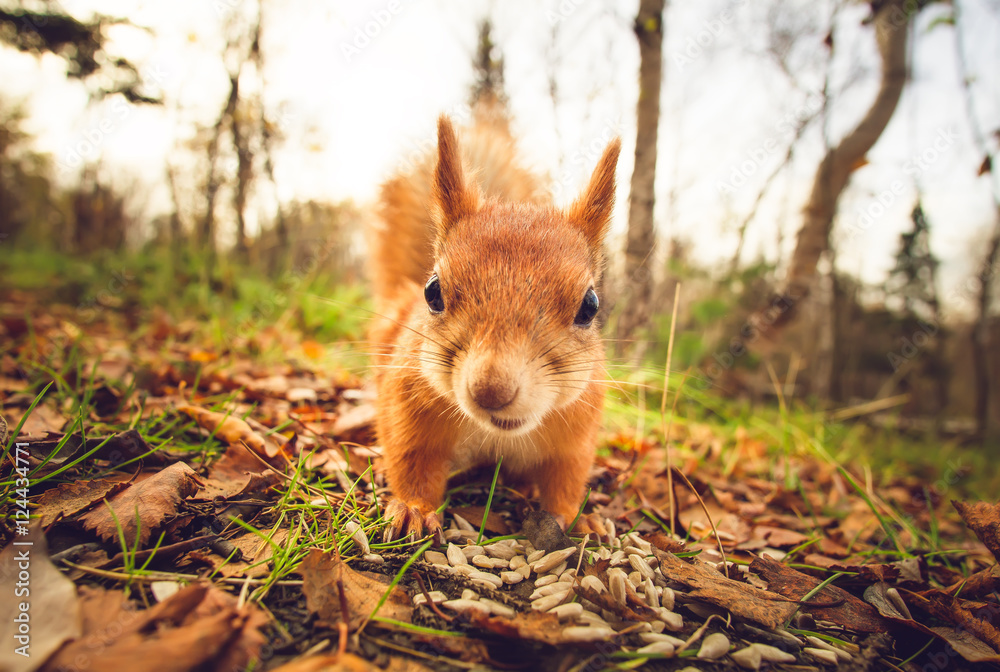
(592, 211)
(453, 197)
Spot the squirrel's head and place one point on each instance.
(510, 325)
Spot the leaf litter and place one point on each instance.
(254, 491)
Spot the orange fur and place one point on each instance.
(509, 366)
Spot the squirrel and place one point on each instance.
(485, 338)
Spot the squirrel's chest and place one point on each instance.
(477, 447)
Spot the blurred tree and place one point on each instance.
(81, 44)
(913, 280)
(987, 270)
(488, 88)
(25, 188)
(890, 20)
(641, 236)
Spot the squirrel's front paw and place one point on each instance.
(410, 520)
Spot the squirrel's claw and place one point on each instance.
(410, 521)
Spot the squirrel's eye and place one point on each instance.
(588, 309)
(432, 294)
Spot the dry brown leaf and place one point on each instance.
(850, 612)
(237, 472)
(230, 429)
(760, 606)
(68, 499)
(982, 518)
(152, 500)
(532, 625)
(52, 616)
(199, 627)
(320, 573)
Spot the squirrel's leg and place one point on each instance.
(417, 475)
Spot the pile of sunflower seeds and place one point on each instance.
(499, 565)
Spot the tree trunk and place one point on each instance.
(981, 333)
(891, 23)
(641, 238)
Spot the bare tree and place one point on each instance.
(641, 237)
(987, 268)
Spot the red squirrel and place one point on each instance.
(486, 339)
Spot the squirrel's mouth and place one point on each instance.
(506, 424)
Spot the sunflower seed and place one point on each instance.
(549, 601)
(545, 580)
(466, 605)
(436, 558)
(373, 557)
(616, 584)
(436, 596)
(462, 523)
(640, 565)
(455, 556)
(587, 633)
(617, 558)
(496, 608)
(715, 646)
(469, 594)
(828, 657)
(773, 654)
(634, 540)
(666, 598)
(535, 555)
(568, 575)
(548, 590)
(464, 570)
(650, 637)
(472, 551)
(517, 561)
(820, 644)
(591, 618)
(552, 560)
(524, 570)
(500, 550)
(593, 583)
(358, 535)
(610, 527)
(487, 577)
(664, 648)
(511, 577)
(635, 578)
(569, 610)
(673, 620)
(748, 658)
(604, 553)
(649, 592)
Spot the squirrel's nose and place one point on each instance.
(492, 395)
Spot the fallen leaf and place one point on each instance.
(45, 615)
(850, 612)
(760, 606)
(144, 505)
(362, 592)
(356, 424)
(68, 499)
(982, 518)
(230, 429)
(199, 627)
(237, 472)
(43, 419)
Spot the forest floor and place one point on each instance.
(178, 501)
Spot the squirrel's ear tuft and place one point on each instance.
(592, 211)
(453, 197)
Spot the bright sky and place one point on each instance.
(354, 105)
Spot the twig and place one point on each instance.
(663, 408)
